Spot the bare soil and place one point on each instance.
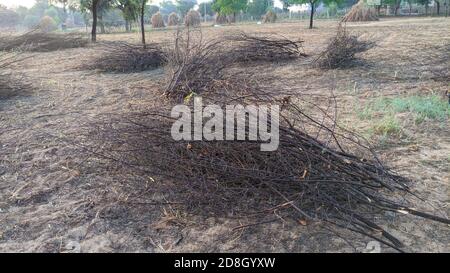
(53, 200)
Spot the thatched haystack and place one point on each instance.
(269, 17)
(39, 41)
(221, 19)
(360, 13)
(173, 20)
(47, 24)
(192, 19)
(157, 20)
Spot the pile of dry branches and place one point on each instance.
(341, 50)
(11, 85)
(195, 64)
(39, 41)
(320, 172)
(124, 57)
(268, 48)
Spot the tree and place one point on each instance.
(205, 8)
(150, 10)
(227, 7)
(183, 6)
(312, 4)
(167, 7)
(257, 8)
(64, 3)
(425, 3)
(143, 3)
(286, 4)
(92, 7)
(130, 10)
(8, 18)
(103, 7)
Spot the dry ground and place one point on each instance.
(54, 201)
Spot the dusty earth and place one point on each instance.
(54, 200)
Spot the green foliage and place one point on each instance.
(205, 6)
(167, 7)
(130, 9)
(227, 7)
(257, 8)
(387, 126)
(31, 21)
(8, 18)
(53, 13)
(183, 6)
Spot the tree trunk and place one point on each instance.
(438, 7)
(410, 7)
(311, 17)
(100, 21)
(142, 21)
(94, 21)
(397, 6)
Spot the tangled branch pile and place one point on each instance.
(360, 13)
(341, 50)
(195, 64)
(268, 48)
(39, 41)
(157, 20)
(318, 173)
(124, 57)
(11, 85)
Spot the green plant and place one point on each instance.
(387, 126)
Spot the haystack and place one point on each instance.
(173, 20)
(157, 20)
(221, 19)
(192, 18)
(269, 17)
(47, 24)
(360, 13)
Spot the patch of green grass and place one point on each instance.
(423, 107)
(387, 126)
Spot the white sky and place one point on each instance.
(30, 3)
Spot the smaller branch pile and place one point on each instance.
(195, 64)
(11, 85)
(124, 57)
(341, 50)
(39, 41)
